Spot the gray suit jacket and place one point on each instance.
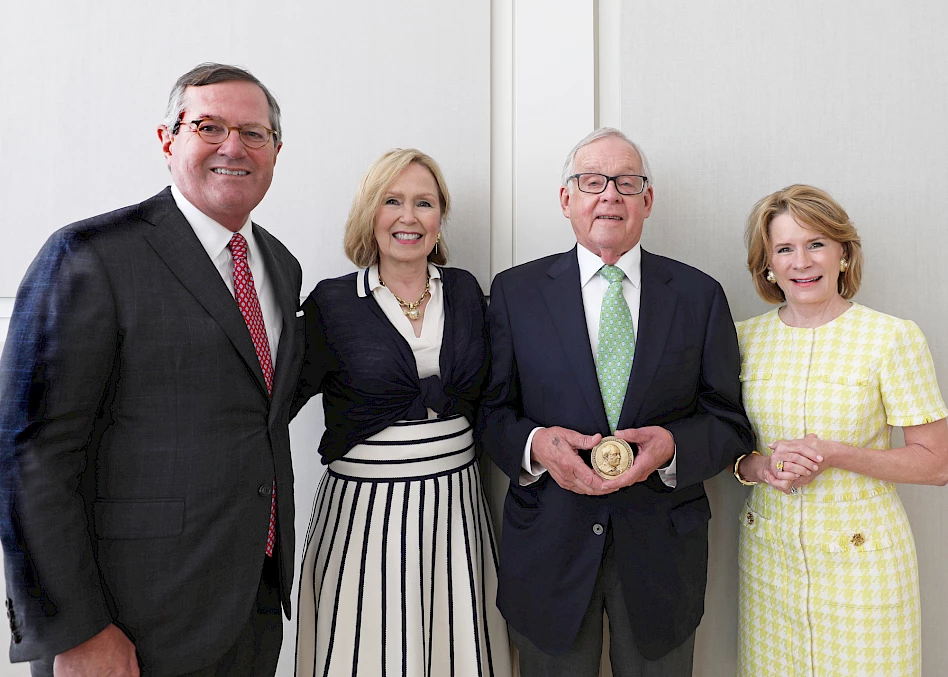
(138, 443)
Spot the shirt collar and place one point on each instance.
(630, 263)
(367, 279)
(212, 235)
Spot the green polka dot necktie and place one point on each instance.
(616, 345)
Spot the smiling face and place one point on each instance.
(225, 181)
(608, 224)
(408, 221)
(805, 263)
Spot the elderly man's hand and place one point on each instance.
(656, 448)
(558, 450)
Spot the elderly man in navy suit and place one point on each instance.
(147, 491)
(608, 340)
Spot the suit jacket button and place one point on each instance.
(264, 489)
(597, 529)
(9, 603)
(17, 638)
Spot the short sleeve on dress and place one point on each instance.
(907, 380)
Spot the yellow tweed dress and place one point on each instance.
(829, 577)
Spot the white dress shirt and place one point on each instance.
(215, 238)
(594, 288)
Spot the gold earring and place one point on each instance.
(435, 252)
(771, 278)
(843, 265)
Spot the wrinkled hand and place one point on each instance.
(558, 449)
(656, 448)
(801, 463)
(108, 654)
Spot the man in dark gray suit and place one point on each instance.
(147, 491)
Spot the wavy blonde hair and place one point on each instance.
(359, 241)
(814, 209)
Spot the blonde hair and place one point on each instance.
(359, 241)
(814, 209)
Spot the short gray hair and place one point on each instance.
(210, 73)
(602, 133)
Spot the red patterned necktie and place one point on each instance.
(246, 295)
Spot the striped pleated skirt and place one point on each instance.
(399, 573)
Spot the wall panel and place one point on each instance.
(734, 100)
(84, 85)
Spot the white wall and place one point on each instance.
(83, 86)
(733, 100)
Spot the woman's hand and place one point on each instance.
(795, 463)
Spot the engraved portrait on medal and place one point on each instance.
(611, 457)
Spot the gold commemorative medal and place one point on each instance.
(611, 457)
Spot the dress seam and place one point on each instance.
(800, 531)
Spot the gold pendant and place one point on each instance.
(411, 310)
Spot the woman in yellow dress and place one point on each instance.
(828, 572)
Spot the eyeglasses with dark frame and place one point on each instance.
(626, 184)
(216, 132)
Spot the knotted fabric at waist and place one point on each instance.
(431, 397)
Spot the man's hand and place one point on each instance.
(108, 654)
(656, 449)
(557, 449)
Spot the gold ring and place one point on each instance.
(779, 466)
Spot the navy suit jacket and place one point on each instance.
(138, 443)
(684, 378)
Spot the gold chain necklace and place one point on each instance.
(411, 310)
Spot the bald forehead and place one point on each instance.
(610, 155)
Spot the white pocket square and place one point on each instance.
(300, 313)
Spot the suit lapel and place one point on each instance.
(174, 241)
(277, 271)
(656, 311)
(564, 299)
